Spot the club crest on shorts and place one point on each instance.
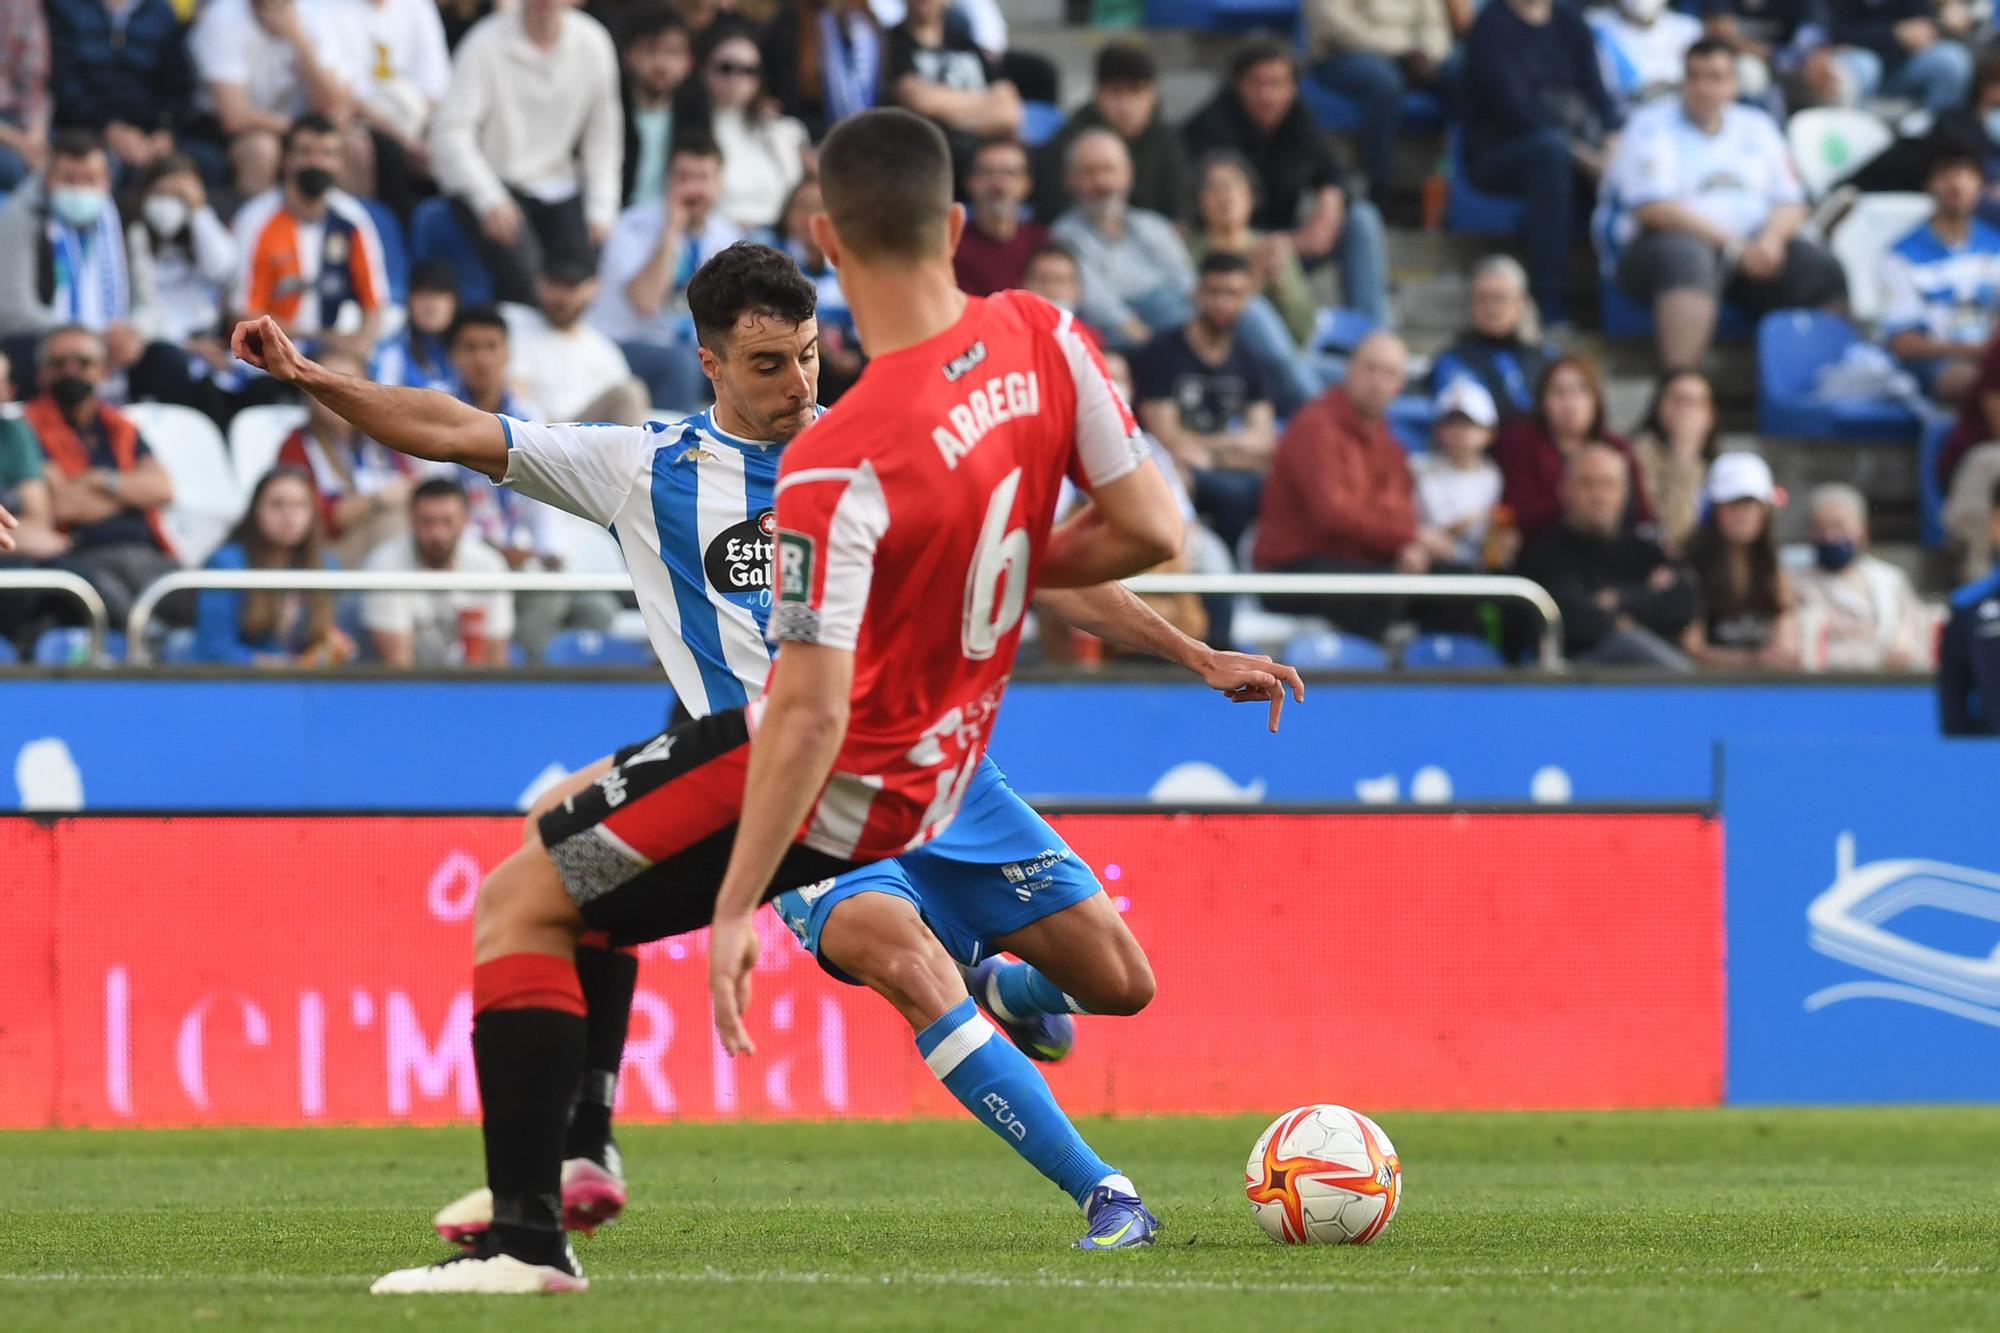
(795, 567)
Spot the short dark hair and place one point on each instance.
(1223, 261)
(693, 139)
(1260, 50)
(312, 122)
(1126, 63)
(992, 142)
(437, 488)
(434, 275)
(886, 178)
(744, 279)
(1704, 47)
(649, 19)
(1051, 250)
(478, 317)
(1948, 148)
(76, 144)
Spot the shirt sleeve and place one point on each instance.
(1108, 441)
(588, 470)
(830, 522)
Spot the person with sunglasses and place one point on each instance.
(763, 152)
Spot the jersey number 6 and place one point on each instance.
(996, 587)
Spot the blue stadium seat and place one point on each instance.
(1222, 15)
(1457, 652)
(1420, 112)
(1331, 650)
(1793, 346)
(1410, 420)
(395, 248)
(1619, 316)
(1469, 211)
(589, 648)
(1339, 331)
(1930, 495)
(435, 234)
(9, 655)
(177, 647)
(1039, 122)
(70, 646)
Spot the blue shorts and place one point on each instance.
(997, 867)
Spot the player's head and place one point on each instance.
(886, 178)
(755, 316)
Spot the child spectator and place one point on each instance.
(1748, 616)
(1534, 449)
(1940, 282)
(269, 627)
(364, 489)
(823, 61)
(419, 357)
(1501, 347)
(1856, 612)
(427, 630)
(1457, 485)
(655, 57)
(1672, 448)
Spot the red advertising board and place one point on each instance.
(316, 970)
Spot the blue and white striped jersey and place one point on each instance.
(691, 506)
(1946, 291)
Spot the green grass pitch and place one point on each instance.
(1860, 1219)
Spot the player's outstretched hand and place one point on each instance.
(732, 953)
(261, 343)
(7, 525)
(1243, 677)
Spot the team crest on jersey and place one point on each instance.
(739, 559)
(795, 567)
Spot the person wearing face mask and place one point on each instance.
(64, 260)
(1641, 45)
(311, 257)
(1856, 612)
(193, 255)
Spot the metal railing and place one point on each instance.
(1432, 587)
(62, 581)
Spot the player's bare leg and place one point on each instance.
(1080, 960)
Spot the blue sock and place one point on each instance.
(1003, 1090)
(1022, 991)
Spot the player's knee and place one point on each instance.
(519, 907)
(1126, 984)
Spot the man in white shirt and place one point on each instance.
(263, 63)
(561, 362)
(644, 273)
(529, 139)
(1703, 197)
(435, 629)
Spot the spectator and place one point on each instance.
(1940, 283)
(1456, 484)
(1126, 101)
(993, 252)
(1135, 270)
(363, 489)
(264, 63)
(191, 253)
(1968, 682)
(396, 96)
(437, 629)
(656, 56)
(24, 91)
(1054, 275)
(1978, 123)
(419, 357)
(1672, 449)
(571, 369)
(1259, 114)
(528, 141)
(1642, 46)
(1912, 49)
(823, 61)
(24, 490)
(267, 627)
(1706, 200)
(840, 359)
(1748, 617)
(1968, 467)
(1203, 396)
(1536, 120)
(1534, 449)
(936, 69)
(63, 258)
(106, 489)
(1339, 498)
(121, 72)
(1376, 52)
(1781, 50)
(1856, 612)
(642, 303)
(763, 153)
(311, 257)
(1501, 348)
(1624, 601)
(1223, 208)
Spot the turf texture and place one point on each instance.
(1873, 1219)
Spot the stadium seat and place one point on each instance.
(1930, 495)
(1339, 331)
(176, 647)
(256, 434)
(9, 655)
(435, 234)
(1871, 227)
(1619, 316)
(1410, 420)
(1419, 113)
(1830, 143)
(1221, 15)
(1039, 122)
(1793, 346)
(1459, 652)
(395, 249)
(69, 645)
(207, 500)
(1469, 211)
(1331, 650)
(589, 648)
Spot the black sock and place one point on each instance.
(530, 1061)
(608, 978)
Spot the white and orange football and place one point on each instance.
(1323, 1175)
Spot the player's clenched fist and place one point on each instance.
(261, 343)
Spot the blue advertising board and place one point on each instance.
(291, 743)
(1863, 919)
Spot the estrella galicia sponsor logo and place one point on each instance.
(962, 365)
(739, 559)
(795, 567)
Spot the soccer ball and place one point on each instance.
(1323, 1175)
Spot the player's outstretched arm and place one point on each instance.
(422, 423)
(797, 740)
(1134, 525)
(1114, 614)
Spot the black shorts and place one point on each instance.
(642, 850)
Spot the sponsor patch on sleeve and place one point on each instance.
(795, 567)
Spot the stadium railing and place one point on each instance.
(1432, 587)
(70, 585)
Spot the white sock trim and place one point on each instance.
(995, 1003)
(962, 1041)
(1118, 1182)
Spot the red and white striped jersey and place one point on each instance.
(911, 524)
